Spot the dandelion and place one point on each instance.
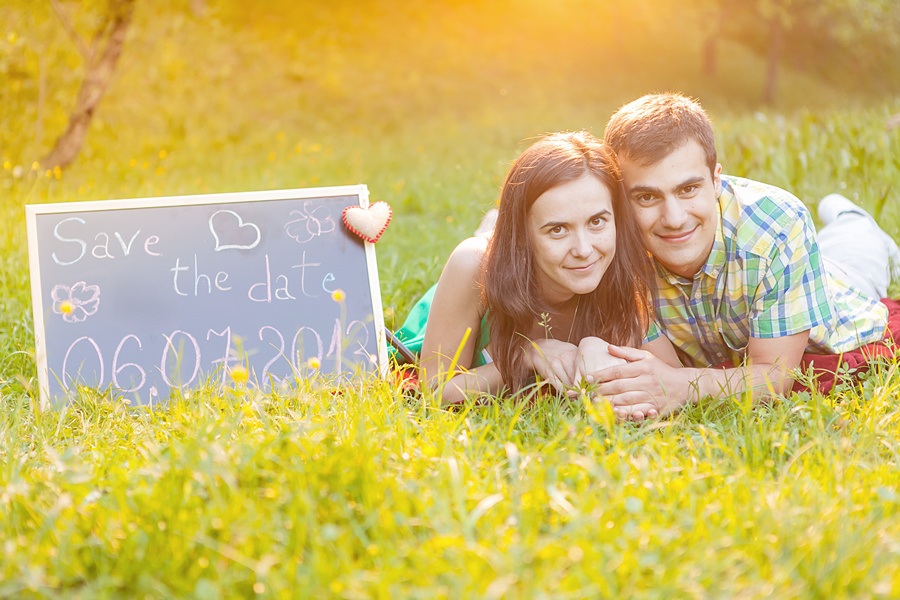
(313, 363)
(239, 374)
(338, 296)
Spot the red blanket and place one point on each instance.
(825, 366)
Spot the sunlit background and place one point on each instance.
(425, 102)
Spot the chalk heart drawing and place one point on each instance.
(230, 231)
(75, 303)
(308, 224)
(368, 223)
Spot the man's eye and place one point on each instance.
(690, 189)
(645, 198)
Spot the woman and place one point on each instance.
(533, 289)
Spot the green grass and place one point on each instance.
(362, 491)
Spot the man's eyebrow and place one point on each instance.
(644, 189)
(649, 189)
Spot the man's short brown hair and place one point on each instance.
(653, 126)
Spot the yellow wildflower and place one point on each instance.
(239, 374)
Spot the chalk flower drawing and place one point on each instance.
(75, 303)
(309, 223)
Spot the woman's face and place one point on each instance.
(573, 237)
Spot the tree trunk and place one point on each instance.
(198, 8)
(709, 55)
(710, 49)
(101, 64)
(776, 43)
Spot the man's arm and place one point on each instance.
(647, 387)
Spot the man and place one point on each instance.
(740, 276)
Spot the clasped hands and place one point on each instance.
(637, 384)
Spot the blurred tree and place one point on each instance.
(110, 23)
(833, 39)
(827, 38)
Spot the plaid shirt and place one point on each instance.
(764, 278)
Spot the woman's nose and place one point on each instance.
(581, 244)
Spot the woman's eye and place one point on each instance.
(556, 230)
(598, 221)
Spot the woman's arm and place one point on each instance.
(457, 309)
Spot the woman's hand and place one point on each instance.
(593, 355)
(554, 362)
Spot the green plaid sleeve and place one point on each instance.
(792, 296)
(652, 333)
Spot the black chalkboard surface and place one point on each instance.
(146, 295)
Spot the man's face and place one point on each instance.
(674, 201)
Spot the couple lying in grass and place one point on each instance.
(635, 265)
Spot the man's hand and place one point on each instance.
(644, 387)
(554, 361)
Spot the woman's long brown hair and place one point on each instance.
(618, 310)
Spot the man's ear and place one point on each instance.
(717, 179)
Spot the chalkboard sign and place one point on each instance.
(148, 295)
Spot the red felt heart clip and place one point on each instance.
(368, 223)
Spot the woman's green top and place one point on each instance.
(412, 333)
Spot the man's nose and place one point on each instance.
(674, 216)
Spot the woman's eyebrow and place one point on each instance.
(552, 224)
